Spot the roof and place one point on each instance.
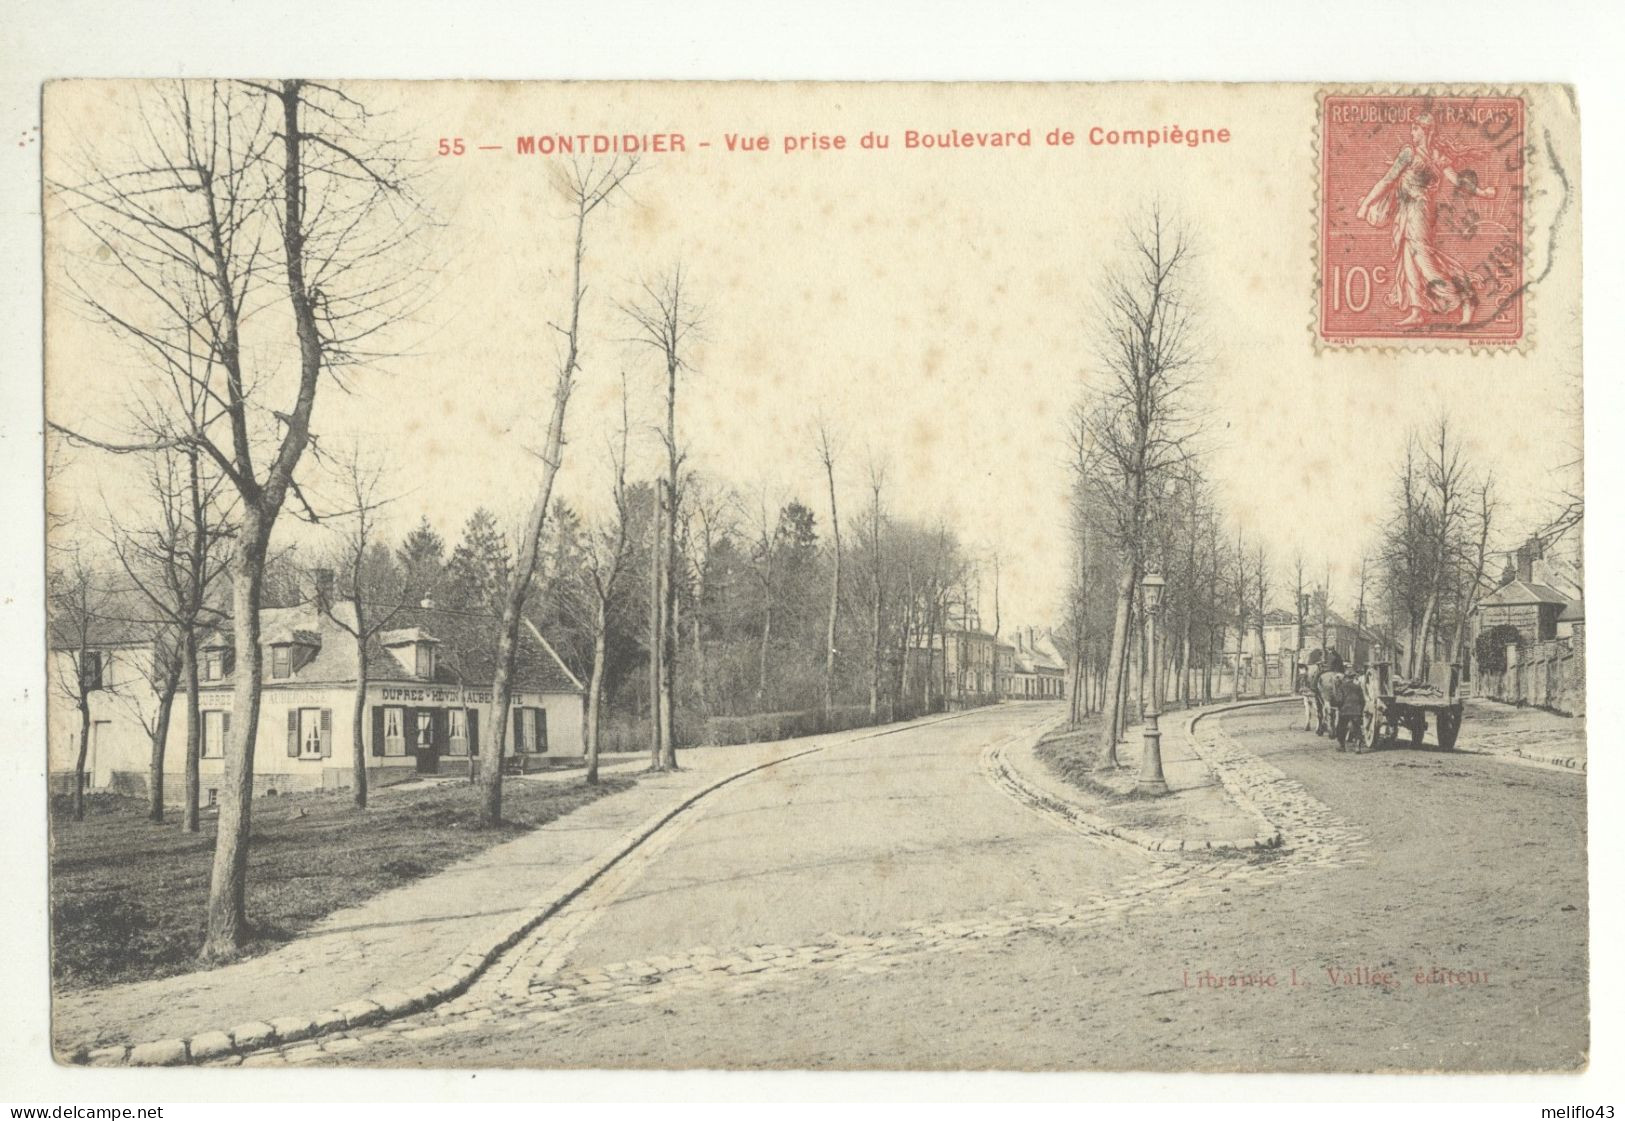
(405, 636)
(466, 649)
(1516, 593)
(1575, 612)
(116, 618)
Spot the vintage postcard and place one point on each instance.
(832, 576)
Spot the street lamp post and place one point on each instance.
(1303, 613)
(1151, 780)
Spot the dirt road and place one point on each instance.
(883, 905)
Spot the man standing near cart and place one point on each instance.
(1350, 699)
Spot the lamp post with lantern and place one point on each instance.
(1151, 780)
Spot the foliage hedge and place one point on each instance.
(764, 726)
(1491, 647)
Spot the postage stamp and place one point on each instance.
(1421, 223)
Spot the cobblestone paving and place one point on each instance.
(532, 984)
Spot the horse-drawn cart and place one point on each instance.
(1396, 704)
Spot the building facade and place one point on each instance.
(427, 707)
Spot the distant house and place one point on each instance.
(1038, 672)
(1355, 644)
(1530, 607)
(1572, 621)
(427, 708)
(117, 671)
(963, 666)
(1531, 600)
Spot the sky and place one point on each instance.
(937, 309)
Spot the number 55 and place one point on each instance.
(452, 147)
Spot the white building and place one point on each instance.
(427, 708)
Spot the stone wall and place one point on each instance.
(1548, 675)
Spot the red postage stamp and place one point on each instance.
(1421, 219)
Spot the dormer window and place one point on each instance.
(292, 651)
(413, 648)
(214, 664)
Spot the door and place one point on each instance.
(423, 742)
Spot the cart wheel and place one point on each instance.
(1369, 726)
(1418, 727)
(1449, 727)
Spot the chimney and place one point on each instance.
(1526, 563)
(322, 581)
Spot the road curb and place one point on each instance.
(465, 968)
(1080, 815)
(1559, 762)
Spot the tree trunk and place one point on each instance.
(226, 917)
(1117, 662)
(358, 752)
(194, 734)
(668, 620)
(595, 691)
(702, 690)
(160, 740)
(655, 601)
(84, 751)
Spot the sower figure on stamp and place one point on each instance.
(1425, 276)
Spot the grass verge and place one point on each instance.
(128, 896)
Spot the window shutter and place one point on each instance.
(541, 729)
(327, 733)
(378, 730)
(409, 729)
(225, 733)
(518, 722)
(473, 731)
(442, 736)
(293, 733)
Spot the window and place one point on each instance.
(457, 731)
(90, 670)
(215, 723)
(394, 735)
(281, 665)
(424, 740)
(213, 665)
(310, 733)
(425, 660)
(529, 730)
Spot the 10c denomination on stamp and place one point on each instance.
(1421, 220)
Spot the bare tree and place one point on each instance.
(248, 196)
(1446, 480)
(79, 610)
(367, 583)
(666, 320)
(1138, 428)
(586, 186)
(826, 455)
(159, 670)
(1262, 586)
(1483, 526)
(174, 560)
(765, 554)
(607, 553)
(877, 482)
